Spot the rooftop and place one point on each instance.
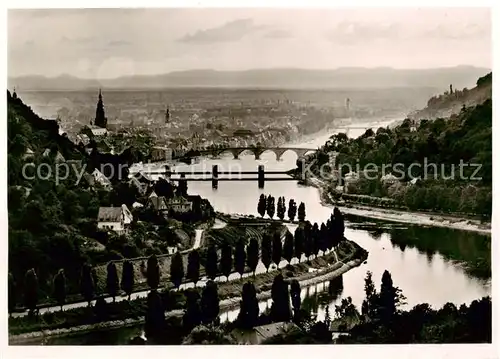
(109, 214)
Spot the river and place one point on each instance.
(420, 260)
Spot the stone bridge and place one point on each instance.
(257, 151)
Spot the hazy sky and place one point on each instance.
(104, 43)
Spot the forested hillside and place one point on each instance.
(452, 101)
(438, 147)
(47, 220)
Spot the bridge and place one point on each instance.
(255, 150)
(213, 176)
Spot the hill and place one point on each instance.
(429, 154)
(451, 102)
(460, 76)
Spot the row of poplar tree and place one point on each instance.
(205, 308)
(267, 204)
(307, 240)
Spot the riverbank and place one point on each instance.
(332, 268)
(409, 217)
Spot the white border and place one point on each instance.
(367, 351)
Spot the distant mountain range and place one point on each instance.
(348, 77)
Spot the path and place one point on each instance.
(142, 294)
(226, 305)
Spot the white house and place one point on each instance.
(114, 218)
(98, 131)
(100, 178)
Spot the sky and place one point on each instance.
(108, 43)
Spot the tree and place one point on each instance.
(95, 280)
(192, 313)
(298, 242)
(153, 272)
(302, 212)
(209, 304)
(369, 306)
(31, 290)
(112, 284)
(87, 288)
(280, 309)
(266, 250)
(390, 298)
(193, 267)
(182, 188)
(226, 260)
(211, 262)
(176, 270)
(11, 293)
(240, 258)
(155, 315)
(288, 247)
(253, 254)
(323, 238)
(308, 243)
(60, 288)
(338, 225)
(249, 307)
(328, 319)
(292, 209)
(127, 283)
(315, 239)
(101, 309)
(281, 209)
(262, 205)
(270, 206)
(295, 296)
(277, 248)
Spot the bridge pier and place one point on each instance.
(236, 154)
(279, 153)
(215, 176)
(260, 176)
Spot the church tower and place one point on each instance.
(100, 117)
(167, 115)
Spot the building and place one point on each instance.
(100, 178)
(83, 139)
(180, 204)
(159, 153)
(94, 131)
(156, 203)
(389, 179)
(100, 116)
(58, 157)
(114, 218)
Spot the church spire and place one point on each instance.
(100, 117)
